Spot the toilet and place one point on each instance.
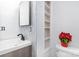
(67, 52)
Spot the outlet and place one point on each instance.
(2, 28)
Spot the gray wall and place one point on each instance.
(66, 19)
(52, 34)
(9, 17)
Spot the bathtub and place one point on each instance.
(67, 52)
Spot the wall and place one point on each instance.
(9, 17)
(34, 22)
(66, 19)
(52, 33)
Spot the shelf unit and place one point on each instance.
(41, 28)
(47, 24)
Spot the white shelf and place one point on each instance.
(47, 13)
(47, 21)
(47, 8)
(47, 24)
(46, 5)
(47, 27)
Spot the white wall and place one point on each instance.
(34, 33)
(9, 17)
(53, 41)
(66, 19)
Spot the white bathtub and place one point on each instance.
(9, 45)
(67, 52)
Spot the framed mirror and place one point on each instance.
(24, 13)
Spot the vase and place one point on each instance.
(64, 44)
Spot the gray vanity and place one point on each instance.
(15, 48)
(23, 52)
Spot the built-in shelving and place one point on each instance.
(47, 43)
(46, 5)
(47, 21)
(47, 38)
(47, 24)
(47, 27)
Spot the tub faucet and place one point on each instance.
(22, 37)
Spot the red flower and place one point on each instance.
(65, 36)
(68, 36)
(62, 35)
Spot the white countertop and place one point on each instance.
(10, 45)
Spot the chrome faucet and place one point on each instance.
(22, 37)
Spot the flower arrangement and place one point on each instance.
(65, 38)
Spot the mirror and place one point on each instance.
(24, 13)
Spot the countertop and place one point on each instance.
(10, 45)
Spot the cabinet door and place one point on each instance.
(23, 52)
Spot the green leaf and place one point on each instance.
(64, 40)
